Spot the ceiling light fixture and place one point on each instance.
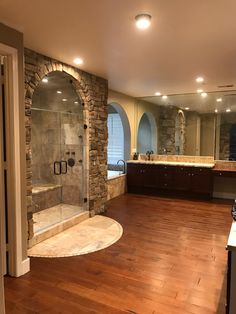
(78, 61)
(59, 92)
(228, 110)
(216, 110)
(219, 99)
(200, 91)
(76, 102)
(158, 94)
(203, 94)
(199, 79)
(45, 80)
(64, 99)
(164, 97)
(186, 108)
(143, 21)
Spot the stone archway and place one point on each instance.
(93, 92)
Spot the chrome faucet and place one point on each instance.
(121, 160)
(165, 151)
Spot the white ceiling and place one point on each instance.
(187, 38)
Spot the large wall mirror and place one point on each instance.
(201, 124)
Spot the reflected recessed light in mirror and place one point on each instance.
(203, 94)
(228, 110)
(199, 79)
(64, 99)
(200, 91)
(186, 108)
(164, 97)
(59, 92)
(219, 99)
(216, 110)
(78, 61)
(45, 80)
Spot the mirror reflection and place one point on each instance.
(201, 124)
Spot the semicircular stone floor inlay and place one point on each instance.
(89, 236)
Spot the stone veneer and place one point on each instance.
(168, 129)
(92, 91)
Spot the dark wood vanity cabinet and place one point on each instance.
(180, 180)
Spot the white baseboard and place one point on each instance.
(24, 267)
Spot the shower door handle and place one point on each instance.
(63, 167)
(57, 168)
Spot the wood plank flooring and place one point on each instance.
(170, 260)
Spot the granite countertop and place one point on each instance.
(172, 163)
(231, 245)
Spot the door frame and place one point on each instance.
(17, 264)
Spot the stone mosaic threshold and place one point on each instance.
(89, 236)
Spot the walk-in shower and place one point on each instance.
(57, 151)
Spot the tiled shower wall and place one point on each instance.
(92, 91)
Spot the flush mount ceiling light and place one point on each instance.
(45, 80)
(78, 61)
(143, 21)
(199, 79)
(59, 92)
(186, 108)
(76, 102)
(219, 99)
(203, 95)
(228, 110)
(158, 94)
(64, 99)
(164, 97)
(216, 110)
(199, 91)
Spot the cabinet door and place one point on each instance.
(201, 181)
(134, 175)
(150, 175)
(182, 178)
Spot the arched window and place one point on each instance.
(118, 134)
(147, 134)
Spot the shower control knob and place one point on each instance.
(80, 160)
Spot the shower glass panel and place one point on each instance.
(57, 152)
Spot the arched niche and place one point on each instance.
(147, 134)
(116, 108)
(180, 133)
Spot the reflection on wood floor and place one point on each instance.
(171, 259)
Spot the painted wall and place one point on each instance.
(13, 38)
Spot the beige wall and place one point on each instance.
(13, 38)
(207, 141)
(134, 110)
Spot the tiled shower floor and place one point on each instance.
(53, 215)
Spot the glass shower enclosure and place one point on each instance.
(57, 143)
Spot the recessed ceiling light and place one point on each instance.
(78, 61)
(228, 110)
(199, 79)
(76, 102)
(216, 110)
(45, 80)
(200, 91)
(143, 21)
(219, 99)
(158, 94)
(186, 108)
(203, 94)
(164, 97)
(64, 99)
(59, 92)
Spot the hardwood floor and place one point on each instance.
(170, 260)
